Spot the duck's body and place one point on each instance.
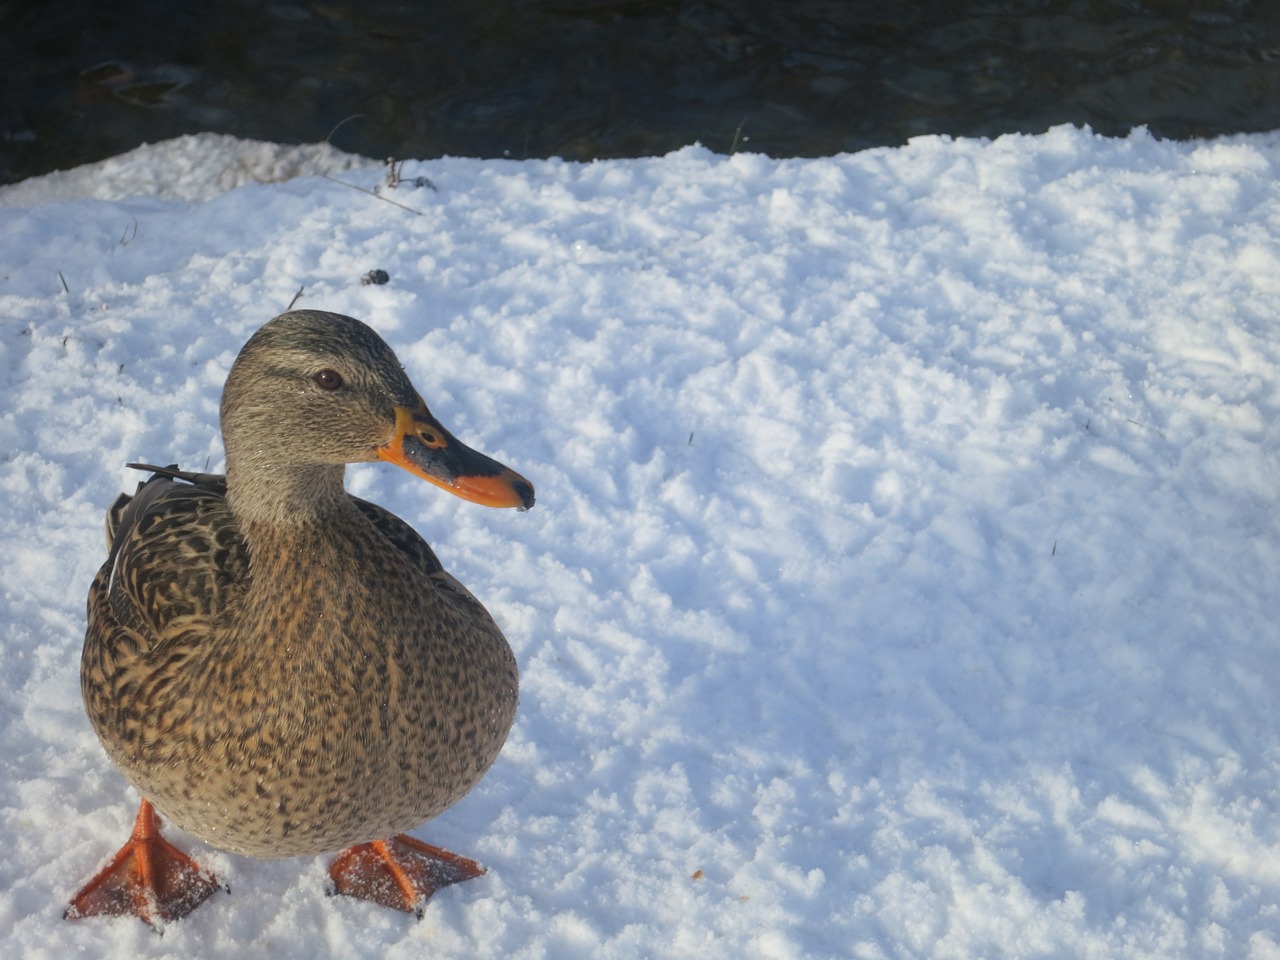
(273, 714)
(277, 666)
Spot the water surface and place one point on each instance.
(81, 80)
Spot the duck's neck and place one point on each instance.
(307, 573)
(285, 499)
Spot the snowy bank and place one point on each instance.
(902, 579)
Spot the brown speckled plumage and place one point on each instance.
(279, 667)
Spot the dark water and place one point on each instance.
(84, 79)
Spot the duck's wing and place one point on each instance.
(409, 543)
(403, 537)
(176, 565)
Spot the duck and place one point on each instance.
(280, 668)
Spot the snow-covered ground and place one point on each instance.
(903, 579)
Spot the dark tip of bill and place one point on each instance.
(524, 490)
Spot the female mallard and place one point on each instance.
(282, 668)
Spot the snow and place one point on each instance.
(902, 578)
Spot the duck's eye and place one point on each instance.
(328, 379)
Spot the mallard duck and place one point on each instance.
(281, 668)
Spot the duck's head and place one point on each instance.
(312, 391)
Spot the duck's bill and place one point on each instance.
(426, 449)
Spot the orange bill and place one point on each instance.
(426, 449)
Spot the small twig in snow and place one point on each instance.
(373, 193)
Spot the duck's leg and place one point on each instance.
(399, 872)
(148, 877)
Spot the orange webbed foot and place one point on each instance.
(148, 878)
(399, 872)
